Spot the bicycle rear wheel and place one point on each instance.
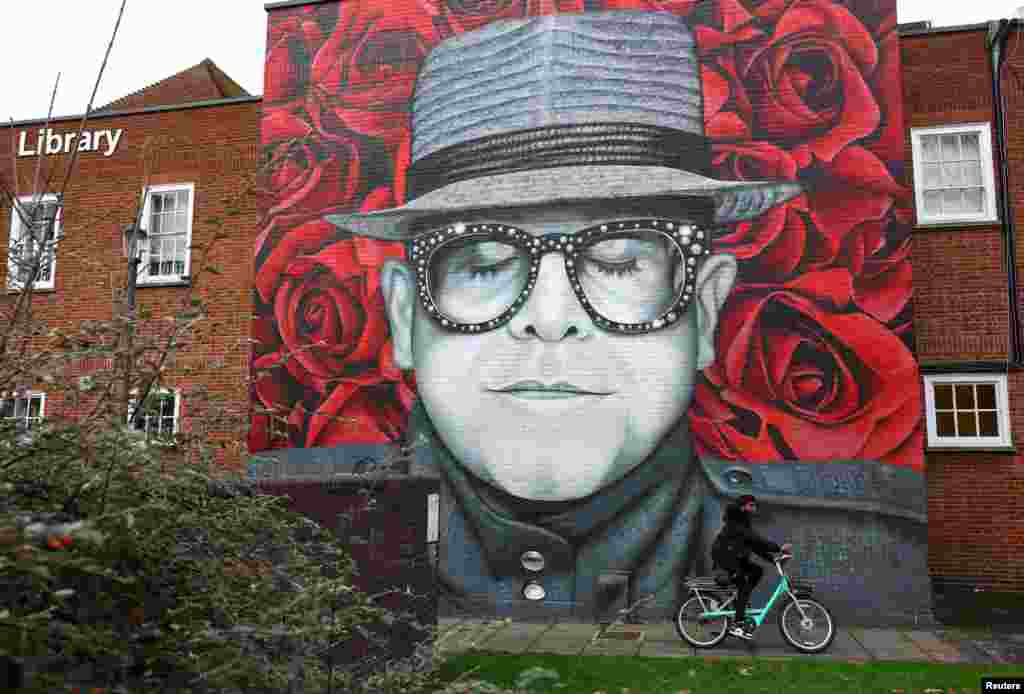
(700, 632)
(811, 632)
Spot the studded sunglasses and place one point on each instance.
(632, 276)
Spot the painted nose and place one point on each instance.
(552, 313)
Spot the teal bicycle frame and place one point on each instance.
(758, 614)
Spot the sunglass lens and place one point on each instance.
(631, 278)
(477, 280)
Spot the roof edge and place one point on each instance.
(946, 30)
(96, 115)
(283, 4)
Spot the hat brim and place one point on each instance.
(734, 200)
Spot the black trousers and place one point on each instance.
(746, 578)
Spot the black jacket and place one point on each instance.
(738, 539)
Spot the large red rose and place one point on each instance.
(809, 82)
(363, 75)
(811, 378)
(306, 179)
(324, 358)
(330, 311)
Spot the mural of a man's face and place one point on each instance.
(549, 406)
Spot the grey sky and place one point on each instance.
(158, 39)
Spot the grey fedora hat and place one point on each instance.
(560, 109)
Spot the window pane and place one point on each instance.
(167, 405)
(35, 407)
(182, 199)
(974, 200)
(966, 424)
(989, 423)
(950, 148)
(933, 202)
(158, 203)
(932, 175)
(943, 396)
(945, 424)
(971, 144)
(930, 147)
(156, 225)
(986, 396)
(965, 396)
(952, 201)
(972, 173)
(20, 408)
(952, 175)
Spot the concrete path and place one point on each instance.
(659, 640)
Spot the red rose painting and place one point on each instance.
(814, 357)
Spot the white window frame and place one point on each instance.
(161, 392)
(17, 229)
(1004, 439)
(177, 278)
(27, 395)
(984, 130)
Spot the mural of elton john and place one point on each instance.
(562, 290)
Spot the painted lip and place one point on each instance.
(535, 390)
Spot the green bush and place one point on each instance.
(126, 569)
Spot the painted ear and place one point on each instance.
(714, 282)
(399, 288)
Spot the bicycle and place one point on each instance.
(799, 621)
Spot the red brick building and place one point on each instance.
(965, 161)
(187, 146)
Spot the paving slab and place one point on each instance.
(515, 637)
(661, 631)
(938, 650)
(612, 647)
(564, 639)
(888, 644)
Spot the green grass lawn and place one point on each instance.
(638, 675)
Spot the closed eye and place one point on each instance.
(615, 268)
(490, 270)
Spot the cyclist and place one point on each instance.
(731, 552)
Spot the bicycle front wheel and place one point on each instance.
(698, 631)
(809, 632)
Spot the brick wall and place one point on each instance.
(976, 523)
(214, 148)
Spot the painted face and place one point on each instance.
(549, 406)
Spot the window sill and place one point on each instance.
(1007, 450)
(954, 224)
(164, 283)
(35, 290)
